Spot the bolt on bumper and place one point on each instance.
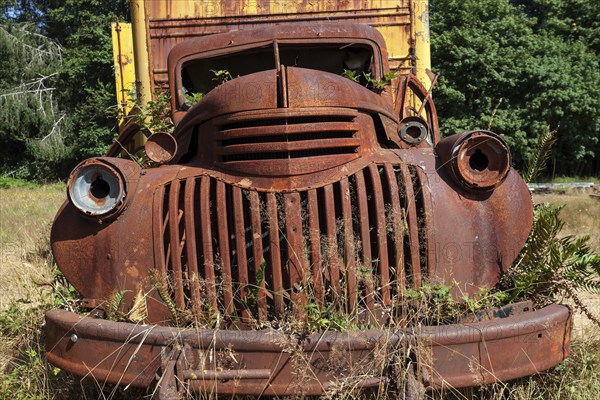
(271, 362)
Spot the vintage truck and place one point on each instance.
(270, 247)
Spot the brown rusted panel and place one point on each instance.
(164, 36)
(296, 253)
(498, 350)
(257, 248)
(175, 215)
(315, 247)
(255, 363)
(223, 228)
(413, 232)
(365, 241)
(428, 221)
(286, 166)
(158, 226)
(285, 130)
(383, 263)
(288, 146)
(349, 246)
(397, 223)
(190, 246)
(477, 254)
(333, 261)
(207, 240)
(240, 252)
(275, 254)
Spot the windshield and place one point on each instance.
(201, 75)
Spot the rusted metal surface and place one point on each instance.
(479, 160)
(161, 147)
(315, 193)
(262, 362)
(172, 23)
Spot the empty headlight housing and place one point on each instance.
(96, 188)
(477, 160)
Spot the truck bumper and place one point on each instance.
(271, 362)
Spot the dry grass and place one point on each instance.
(25, 218)
(26, 267)
(581, 214)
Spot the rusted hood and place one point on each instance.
(291, 89)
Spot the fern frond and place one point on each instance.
(112, 305)
(537, 161)
(546, 260)
(161, 284)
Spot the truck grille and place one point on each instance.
(251, 255)
(324, 139)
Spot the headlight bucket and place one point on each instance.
(477, 160)
(98, 187)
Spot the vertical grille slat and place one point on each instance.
(353, 246)
(275, 255)
(207, 248)
(223, 229)
(427, 215)
(349, 247)
(175, 237)
(315, 247)
(296, 265)
(333, 269)
(413, 232)
(257, 246)
(241, 260)
(158, 227)
(397, 224)
(365, 240)
(383, 264)
(190, 246)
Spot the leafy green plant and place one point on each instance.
(369, 79)
(193, 98)
(322, 318)
(156, 115)
(222, 76)
(381, 84)
(351, 74)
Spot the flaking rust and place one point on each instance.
(295, 207)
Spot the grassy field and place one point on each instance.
(30, 284)
(581, 214)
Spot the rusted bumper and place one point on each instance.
(271, 362)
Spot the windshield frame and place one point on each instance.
(377, 63)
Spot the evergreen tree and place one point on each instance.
(82, 83)
(32, 125)
(488, 50)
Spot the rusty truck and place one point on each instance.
(272, 243)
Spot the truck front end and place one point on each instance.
(301, 204)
